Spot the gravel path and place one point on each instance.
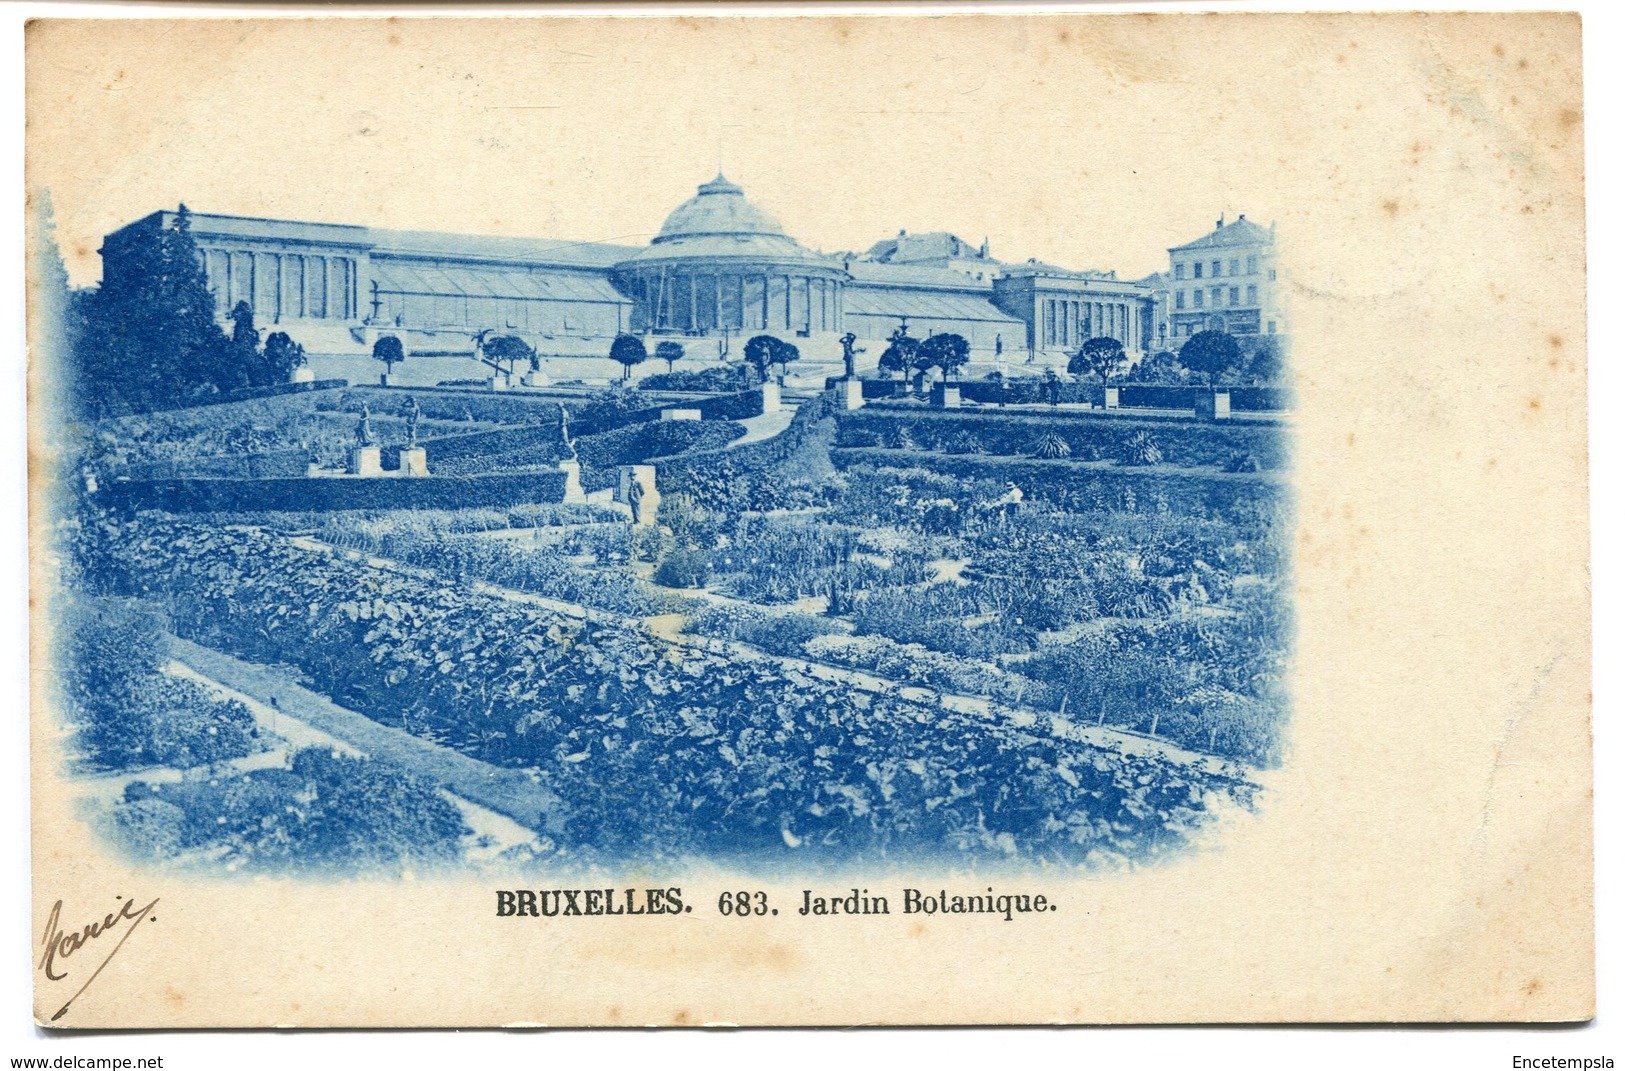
(512, 793)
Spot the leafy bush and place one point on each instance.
(729, 378)
(126, 713)
(328, 810)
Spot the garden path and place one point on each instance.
(765, 426)
(515, 794)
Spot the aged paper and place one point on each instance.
(1146, 682)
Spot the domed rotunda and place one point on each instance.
(720, 264)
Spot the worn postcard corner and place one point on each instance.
(1036, 518)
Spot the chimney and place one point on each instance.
(1242, 217)
(1220, 223)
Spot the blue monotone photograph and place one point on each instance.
(748, 525)
(786, 517)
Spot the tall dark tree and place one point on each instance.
(947, 351)
(628, 352)
(282, 356)
(150, 333)
(670, 352)
(1103, 357)
(388, 349)
(1265, 366)
(242, 366)
(1210, 353)
(1161, 367)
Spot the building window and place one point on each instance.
(1252, 264)
(1252, 295)
(1235, 296)
(1216, 266)
(1218, 292)
(1272, 327)
(1196, 296)
(1197, 266)
(1179, 299)
(1179, 271)
(1272, 275)
(1235, 266)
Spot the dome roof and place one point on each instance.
(718, 224)
(718, 208)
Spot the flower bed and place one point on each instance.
(658, 751)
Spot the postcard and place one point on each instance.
(773, 519)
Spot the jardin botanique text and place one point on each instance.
(743, 903)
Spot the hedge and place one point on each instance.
(248, 394)
(1029, 390)
(713, 475)
(1232, 446)
(335, 493)
(442, 404)
(712, 380)
(601, 454)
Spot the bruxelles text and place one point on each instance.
(554, 903)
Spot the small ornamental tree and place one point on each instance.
(1210, 353)
(949, 352)
(902, 356)
(783, 353)
(670, 352)
(628, 352)
(504, 352)
(282, 356)
(759, 353)
(1103, 357)
(388, 349)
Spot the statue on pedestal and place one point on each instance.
(363, 428)
(849, 351)
(564, 431)
(414, 413)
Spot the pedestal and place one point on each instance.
(1213, 405)
(945, 395)
(771, 398)
(414, 461)
(364, 461)
(851, 393)
(386, 380)
(497, 383)
(572, 481)
(1112, 398)
(534, 379)
(645, 500)
(302, 375)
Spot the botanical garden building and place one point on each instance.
(719, 268)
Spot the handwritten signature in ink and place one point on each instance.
(60, 944)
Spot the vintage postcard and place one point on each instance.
(767, 519)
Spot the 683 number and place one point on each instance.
(742, 903)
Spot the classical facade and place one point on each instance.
(719, 268)
(1226, 280)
